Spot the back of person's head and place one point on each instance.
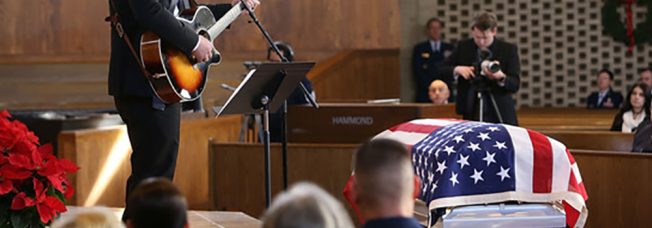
(484, 21)
(285, 48)
(156, 202)
(306, 205)
(383, 174)
(89, 218)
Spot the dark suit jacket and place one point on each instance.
(615, 96)
(425, 64)
(125, 75)
(466, 54)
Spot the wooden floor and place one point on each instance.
(200, 219)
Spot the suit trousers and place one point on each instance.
(154, 137)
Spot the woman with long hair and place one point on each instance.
(634, 111)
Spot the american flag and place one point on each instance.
(466, 163)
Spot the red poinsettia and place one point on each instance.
(32, 180)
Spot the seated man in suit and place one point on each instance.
(605, 97)
(384, 184)
(438, 92)
(426, 56)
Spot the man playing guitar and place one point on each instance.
(152, 124)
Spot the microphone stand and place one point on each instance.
(284, 108)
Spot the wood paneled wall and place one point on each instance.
(74, 30)
(354, 76)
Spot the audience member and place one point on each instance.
(385, 184)
(97, 217)
(605, 97)
(645, 76)
(306, 205)
(633, 111)
(156, 202)
(643, 136)
(426, 56)
(296, 97)
(438, 92)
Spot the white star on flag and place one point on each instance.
(453, 178)
(489, 158)
(492, 129)
(463, 161)
(500, 145)
(458, 139)
(477, 176)
(484, 136)
(441, 167)
(503, 173)
(449, 150)
(474, 146)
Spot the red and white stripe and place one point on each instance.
(412, 132)
(544, 165)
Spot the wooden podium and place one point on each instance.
(355, 123)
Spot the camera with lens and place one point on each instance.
(491, 66)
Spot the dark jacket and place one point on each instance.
(125, 75)
(425, 63)
(615, 96)
(643, 137)
(466, 54)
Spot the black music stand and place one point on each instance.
(265, 89)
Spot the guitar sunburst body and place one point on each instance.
(174, 76)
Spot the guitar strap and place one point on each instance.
(117, 26)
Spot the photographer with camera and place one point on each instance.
(487, 73)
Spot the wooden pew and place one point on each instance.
(103, 156)
(617, 182)
(577, 119)
(593, 140)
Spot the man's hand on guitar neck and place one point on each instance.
(204, 50)
(251, 4)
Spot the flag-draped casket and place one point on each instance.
(466, 163)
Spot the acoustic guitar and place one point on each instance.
(174, 76)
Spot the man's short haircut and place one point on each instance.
(434, 19)
(643, 70)
(485, 21)
(608, 72)
(156, 202)
(383, 171)
(306, 205)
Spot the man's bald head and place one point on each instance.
(438, 92)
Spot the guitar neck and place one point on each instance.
(225, 21)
